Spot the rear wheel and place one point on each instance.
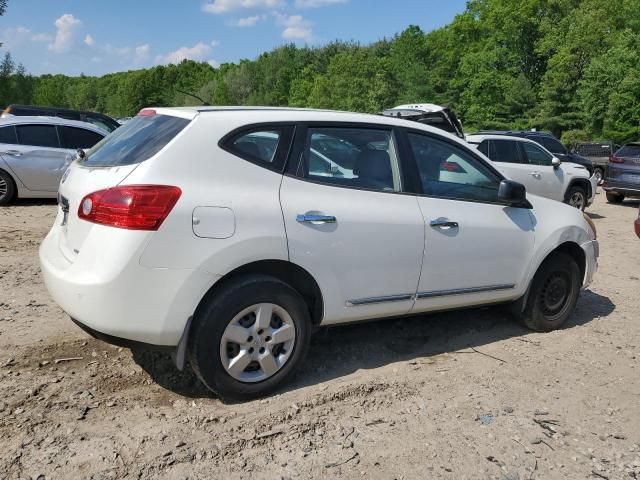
(554, 293)
(577, 198)
(7, 188)
(614, 197)
(249, 337)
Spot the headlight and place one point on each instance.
(591, 225)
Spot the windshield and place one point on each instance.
(135, 142)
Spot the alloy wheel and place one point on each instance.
(257, 342)
(577, 200)
(4, 188)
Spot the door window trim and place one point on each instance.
(419, 190)
(285, 142)
(295, 162)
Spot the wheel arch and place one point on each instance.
(579, 182)
(290, 273)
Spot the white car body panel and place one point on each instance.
(145, 285)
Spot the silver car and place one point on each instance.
(35, 152)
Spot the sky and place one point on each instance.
(95, 37)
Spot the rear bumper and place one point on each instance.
(623, 188)
(591, 251)
(122, 301)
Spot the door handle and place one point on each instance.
(315, 219)
(14, 153)
(535, 174)
(443, 223)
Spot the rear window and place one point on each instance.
(138, 140)
(627, 151)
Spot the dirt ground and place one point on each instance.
(461, 395)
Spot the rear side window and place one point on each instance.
(257, 146)
(504, 151)
(138, 140)
(74, 138)
(629, 151)
(103, 123)
(8, 135)
(535, 155)
(38, 135)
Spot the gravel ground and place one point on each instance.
(454, 395)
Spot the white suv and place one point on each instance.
(529, 163)
(217, 233)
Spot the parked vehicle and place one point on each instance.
(179, 232)
(548, 141)
(599, 153)
(622, 178)
(637, 224)
(529, 163)
(429, 114)
(100, 120)
(35, 152)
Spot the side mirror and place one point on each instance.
(513, 194)
(555, 163)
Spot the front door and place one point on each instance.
(476, 249)
(349, 224)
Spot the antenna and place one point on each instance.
(204, 104)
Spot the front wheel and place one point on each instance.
(7, 188)
(554, 293)
(249, 337)
(577, 198)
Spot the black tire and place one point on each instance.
(599, 173)
(218, 310)
(613, 197)
(573, 194)
(7, 188)
(558, 276)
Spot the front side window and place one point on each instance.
(504, 151)
(38, 136)
(352, 157)
(535, 155)
(74, 138)
(8, 135)
(448, 171)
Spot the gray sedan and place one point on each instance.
(35, 152)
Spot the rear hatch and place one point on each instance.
(624, 165)
(108, 163)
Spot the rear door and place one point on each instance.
(349, 223)
(37, 160)
(476, 249)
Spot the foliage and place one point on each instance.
(568, 66)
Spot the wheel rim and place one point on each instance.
(598, 176)
(257, 342)
(577, 200)
(4, 188)
(555, 294)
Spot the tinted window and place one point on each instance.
(38, 135)
(448, 171)
(102, 123)
(135, 142)
(484, 148)
(352, 157)
(629, 151)
(8, 135)
(551, 144)
(71, 137)
(535, 155)
(257, 146)
(504, 151)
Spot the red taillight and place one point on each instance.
(147, 112)
(134, 207)
(614, 159)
